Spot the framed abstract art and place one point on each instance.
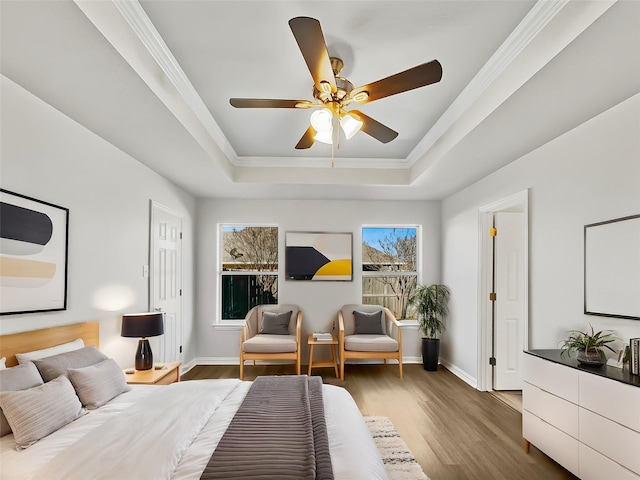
(33, 255)
(319, 256)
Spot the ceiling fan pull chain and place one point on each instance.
(332, 155)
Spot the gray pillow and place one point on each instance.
(36, 412)
(276, 323)
(53, 367)
(99, 383)
(15, 378)
(368, 323)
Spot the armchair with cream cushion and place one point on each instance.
(273, 338)
(372, 337)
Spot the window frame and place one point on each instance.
(220, 272)
(417, 273)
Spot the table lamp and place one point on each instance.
(143, 325)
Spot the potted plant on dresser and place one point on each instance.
(431, 302)
(588, 346)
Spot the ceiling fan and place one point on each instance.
(333, 93)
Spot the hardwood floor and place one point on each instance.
(454, 431)
(511, 398)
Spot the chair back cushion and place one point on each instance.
(275, 323)
(281, 308)
(350, 318)
(368, 323)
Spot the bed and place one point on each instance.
(153, 432)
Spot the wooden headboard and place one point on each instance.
(22, 342)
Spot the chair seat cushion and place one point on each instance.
(370, 343)
(269, 343)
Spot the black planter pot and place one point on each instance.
(430, 353)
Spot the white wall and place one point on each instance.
(589, 174)
(319, 301)
(47, 156)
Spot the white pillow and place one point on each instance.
(99, 383)
(40, 411)
(48, 352)
(3, 363)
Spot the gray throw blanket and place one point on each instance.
(279, 432)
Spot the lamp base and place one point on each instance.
(144, 356)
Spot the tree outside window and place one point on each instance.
(249, 273)
(389, 268)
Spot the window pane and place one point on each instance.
(389, 249)
(249, 270)
(249, 249)
(240, 293)
(391, 291)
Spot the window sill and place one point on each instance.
(228, 325)
(412, 324)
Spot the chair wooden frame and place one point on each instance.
(346, 354)
(244, 356)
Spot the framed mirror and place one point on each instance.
(612, 268)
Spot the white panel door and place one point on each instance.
(509, 305)
(166, 279)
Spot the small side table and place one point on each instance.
(325, 363)
(170, 373)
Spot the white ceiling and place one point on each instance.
(154, 78)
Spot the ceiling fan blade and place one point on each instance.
(308, 34)
(307, 139)
(416, 77)
(269, 103)
(374, 128)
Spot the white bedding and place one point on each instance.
(176, 441)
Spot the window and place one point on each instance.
(389, 268)
(249, 270)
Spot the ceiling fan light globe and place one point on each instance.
(322, 120)
(324, 137)
(350, 125)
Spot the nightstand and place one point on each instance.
(168, 374)
(325, 363)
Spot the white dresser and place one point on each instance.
(586, 418)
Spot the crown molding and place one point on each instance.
(323, 162)
(141, 25)
(533, 23)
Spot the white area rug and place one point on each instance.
(399, 462)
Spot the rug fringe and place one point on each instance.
(399, 462)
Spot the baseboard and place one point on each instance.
(236, 361)
(461, 374)
(217, 361)
(188, 366)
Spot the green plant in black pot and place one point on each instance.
(588, 346)
(431, 302)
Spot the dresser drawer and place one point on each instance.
(613, 440)
(611, 399)
(553, 442)
(554, 410)
(552, 377)
(595, 466)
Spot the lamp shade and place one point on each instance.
(350, 125)
(142, 325)
(322, 120)
(324, 137)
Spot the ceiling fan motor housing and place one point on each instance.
(343, 89)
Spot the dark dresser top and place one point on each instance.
(606, 371)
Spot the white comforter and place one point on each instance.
(169, 432)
